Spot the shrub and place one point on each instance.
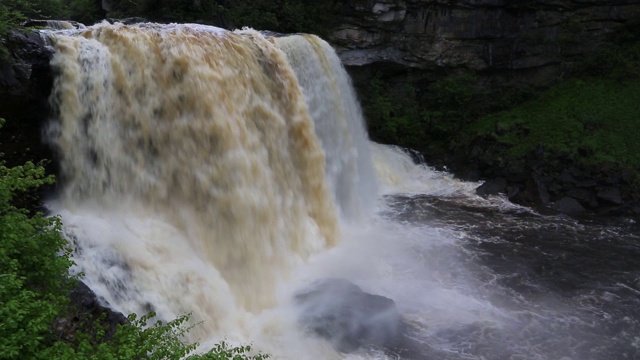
(34, 263)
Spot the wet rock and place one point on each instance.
(351, 319)
(89, 315)
(587, 183)
(568, 205)
(610, 194)
(512, 191)
(492, 187)
(566, 177)
(586, 197)
(543, 193)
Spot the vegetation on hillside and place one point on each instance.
(593, 117)
(286, 16)
(35, 286)
(430, 119)
(590, 116)
(591, 121)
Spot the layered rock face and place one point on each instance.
(525, 41)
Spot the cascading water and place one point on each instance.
(338, 122)
(217, 173)
(208, 132)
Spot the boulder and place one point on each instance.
(351, 319)
(492, 187)
(610, 194)
(568, 205)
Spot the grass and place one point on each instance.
(592, 120)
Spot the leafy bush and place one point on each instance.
(137, 340)
(34, 263)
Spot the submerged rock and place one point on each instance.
(352, 319)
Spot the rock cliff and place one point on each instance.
(523, 41)
(25, 85)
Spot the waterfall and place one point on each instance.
(218, 173)
(193, 178)
(338, 121)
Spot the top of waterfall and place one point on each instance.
(142, 25)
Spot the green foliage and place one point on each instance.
(286, 16)
(15, 12)
(138, 340)
(33, 268)
(591, 120)
(34, 288)
(275, 15)
(399, 115)
(9, 18)
(393, 116)
(449, 106)
(19, 10)
(201, 11)
(84, 11)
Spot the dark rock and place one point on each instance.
(512, 191)
(568, 205)
(542, 191)
(627, 175)
(610, 194)
(87, 313)
(507, 40)
(492, 187)
(586, 197)
(555, 188)
(589, 183)
(25, 84)
(352, 319)
(566, 177)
